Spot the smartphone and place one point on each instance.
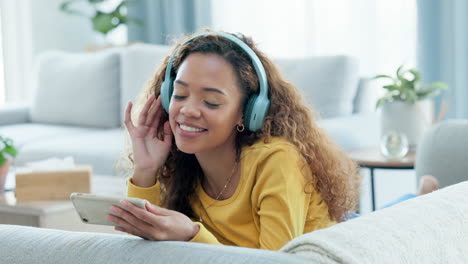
(93, 209)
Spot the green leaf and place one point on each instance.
(386, 98)
(118, 12)
(379, 102)
(416, 75)
(410, 96)
(397, 97)
(65, 7)
(439, 85)
(398, 72)
(382, 76)
(406, 85)
(427, 94)
(134, 21)
(102, 22)
(2, 159)
(10, 150)
(391, 87)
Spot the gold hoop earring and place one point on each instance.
(240, 128)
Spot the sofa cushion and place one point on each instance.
(139, 63)
(77, 89)
(99, 148)
(328, 83)
(354, 131)
(26, 133)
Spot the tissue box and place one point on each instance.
(52, 185)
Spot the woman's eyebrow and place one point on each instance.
(213, 90)
(181, 83)
(206, 89)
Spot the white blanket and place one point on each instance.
(432, 228)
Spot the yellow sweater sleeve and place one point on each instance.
(280, 198)
(151, 194)
(204, 236)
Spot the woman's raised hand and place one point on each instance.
(149, 153)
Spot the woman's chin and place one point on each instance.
(187, 147)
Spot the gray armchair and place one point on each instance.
(443, 153)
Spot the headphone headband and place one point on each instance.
(257, 106)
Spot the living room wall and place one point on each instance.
(31, 27)
(53, 29)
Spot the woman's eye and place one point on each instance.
(212, 105)
(178, 97)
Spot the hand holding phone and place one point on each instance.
(93, 209)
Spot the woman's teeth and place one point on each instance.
(191, 129)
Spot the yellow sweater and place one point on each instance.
(271, 205)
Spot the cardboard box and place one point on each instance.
(52, 185)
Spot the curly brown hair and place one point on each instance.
(335, 176)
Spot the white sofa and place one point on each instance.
(79, 102)
(427, 229)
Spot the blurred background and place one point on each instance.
(381, 33)
(429, 35)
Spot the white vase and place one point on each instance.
(411, 119)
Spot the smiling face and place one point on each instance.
(205, 105)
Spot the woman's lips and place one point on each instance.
(189, 134)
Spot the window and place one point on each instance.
(381, 34)
(2, 72)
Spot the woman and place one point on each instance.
(213, 170)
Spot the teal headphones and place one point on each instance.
(258, 104)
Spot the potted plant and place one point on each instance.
(7, 153)
(104, 20)
(406, 107)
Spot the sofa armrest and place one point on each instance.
(354, 131)
(14, 114)
(442, 152)
(427, 229)
(22, 244)
(367, 94)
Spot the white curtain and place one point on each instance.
(30, 27)
(380, 33)
(2, 73)
(17, 48)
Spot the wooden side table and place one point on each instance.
(372, 159)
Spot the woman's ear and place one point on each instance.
(240, 121)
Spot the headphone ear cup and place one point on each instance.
(255, 112)
(166, 93)
(249, 108)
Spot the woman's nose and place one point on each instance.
(190, 110)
